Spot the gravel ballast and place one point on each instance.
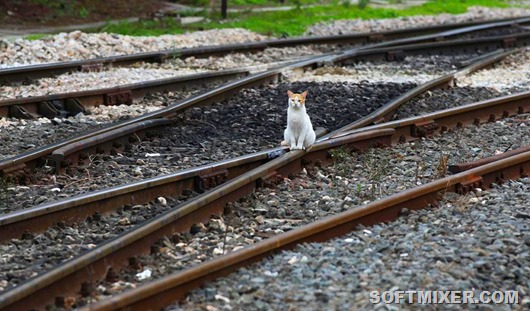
(249, 122)
(78, 45)
(413, 69)
(476, 242)
(358, 25)
(355, 179)
(142, 72)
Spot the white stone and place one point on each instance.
(144, 274)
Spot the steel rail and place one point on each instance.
(43, 105)
(385, 113)
(164, 291)
(381, 114)
(56, 105)
(74, 102)
(204, 177)
(22, 73)
(280, 165)
(58, 156)
(461, 167)
(198, 179)
(439, 122)
(28, 160)
(94, 265)
(396, 52)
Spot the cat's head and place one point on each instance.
(296, 100)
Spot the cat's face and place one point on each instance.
(296, 100)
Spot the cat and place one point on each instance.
(299, 134)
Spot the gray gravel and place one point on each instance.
(475, 13)
(141, 72)
(29, 256)
(413, 69)
(317, 193)
(17, 135)
(439, 99)
(231, 128)
(476, 242)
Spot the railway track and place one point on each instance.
(73, 103)
(230, 180)
(30, 159)
(386, 132)
(25, 73)
(173, 149)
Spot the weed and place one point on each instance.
(441, 168)
(36, 36)
(363, 4)
(83, 12)
(378, 168)
(340, 154)
(4, 193)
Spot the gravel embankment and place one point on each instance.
(78, 45)
(141, 72)
(314, 194)
(358, 25)
(474, 242)
(251, 121)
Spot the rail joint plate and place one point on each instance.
(212, 180)
(509, 43)
(469, 185)
(119, 98)
(395, 56)
(424, 129)
(91, 67)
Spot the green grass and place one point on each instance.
(295, 22)
(145, 28)
(231, 3)
(36, 36)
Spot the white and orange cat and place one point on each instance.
(299, 134)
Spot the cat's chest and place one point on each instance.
(296, 121)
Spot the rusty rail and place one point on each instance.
(95, 264)
(75, 102)
(439, 122)
(28, 160)
(22, 73)
(461, 167)
(35, 106)
(382, 114)
(14, 224)
(164, 291)
(385, 113)
(59, 155)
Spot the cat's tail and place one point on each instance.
(284, 143)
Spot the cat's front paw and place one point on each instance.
(294, 147)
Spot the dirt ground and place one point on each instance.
(16, 14)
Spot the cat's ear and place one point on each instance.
(304, 94)
(290, 94)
